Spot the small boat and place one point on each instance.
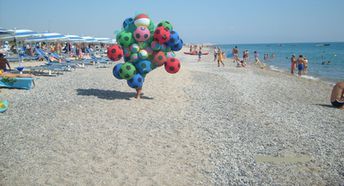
(196, 53)
(323, 44)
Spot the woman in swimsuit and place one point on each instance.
(293, 64)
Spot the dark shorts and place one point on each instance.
(300, 67)
(338, 104)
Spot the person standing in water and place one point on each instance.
(305, 60)
(337, 95)
(293, 62)
(300, 65)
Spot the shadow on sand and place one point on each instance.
(326, 105)
(108, 94)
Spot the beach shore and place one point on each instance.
(202, 126)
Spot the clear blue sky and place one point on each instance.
(215, 21)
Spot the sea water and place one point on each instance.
(325, 60)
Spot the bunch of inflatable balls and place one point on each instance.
(144, 47)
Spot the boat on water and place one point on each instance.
(322, 44)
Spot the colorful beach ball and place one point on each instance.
(134, 57)
(159, 59)
(127, 71)
(141, 34)
(142, 20)
(166, 24)
(116, 69)
(170, 54)
(162, 35)
(125, 38)
(144, 67)
(134, 48)
(126, 52)
(172, 65)
(115, 52)
(143, 54)
(136, 81)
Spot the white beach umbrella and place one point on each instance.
(5, 32)
(103, 40)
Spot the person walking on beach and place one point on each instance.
(4, 63)
(199, 55)
(220, 58)
(337, 95)
(235, 53)
(293, 62)
(300, 65)
(215, 53)
(245, 56)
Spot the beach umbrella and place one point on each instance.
(46, 36)
(74, 38)
(89, 39)
(5, 32)
(20, 35)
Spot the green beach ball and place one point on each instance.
(127, 71)
(125, 38)
(151, 27)
(166, 24)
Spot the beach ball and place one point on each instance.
(134, 57)
(162, 35)
(159, 59)
(127, 71)
(177, 46)
(142, 20)
(174, 39)
(155, 45)
(141, 34)
(128, 22)
(165, 48)
(143, 54)
(166, 24)
(143, 44)
(116, 69)
(114, 52)
(136, 81)
(144, 66)
(172, 65)
(134, 48)
(125, 39)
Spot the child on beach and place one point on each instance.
(220, 58)
(305, 60)
(337, 95)
(215, 53)
(257, 61)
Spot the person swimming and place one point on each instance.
(337, 95)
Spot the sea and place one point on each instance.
(325, 60)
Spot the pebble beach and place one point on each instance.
(205, 125)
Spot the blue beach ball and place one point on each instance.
(115, 70)
(144, 66)
(174, 39)
(177, 46)
(136, 81)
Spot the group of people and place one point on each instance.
(301, 63)
(219, 56)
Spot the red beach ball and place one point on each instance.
(159, 58)
(172, 65)
(114, 52)
(162, 34)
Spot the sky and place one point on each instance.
(196, 21)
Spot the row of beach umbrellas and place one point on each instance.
(31, 36)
